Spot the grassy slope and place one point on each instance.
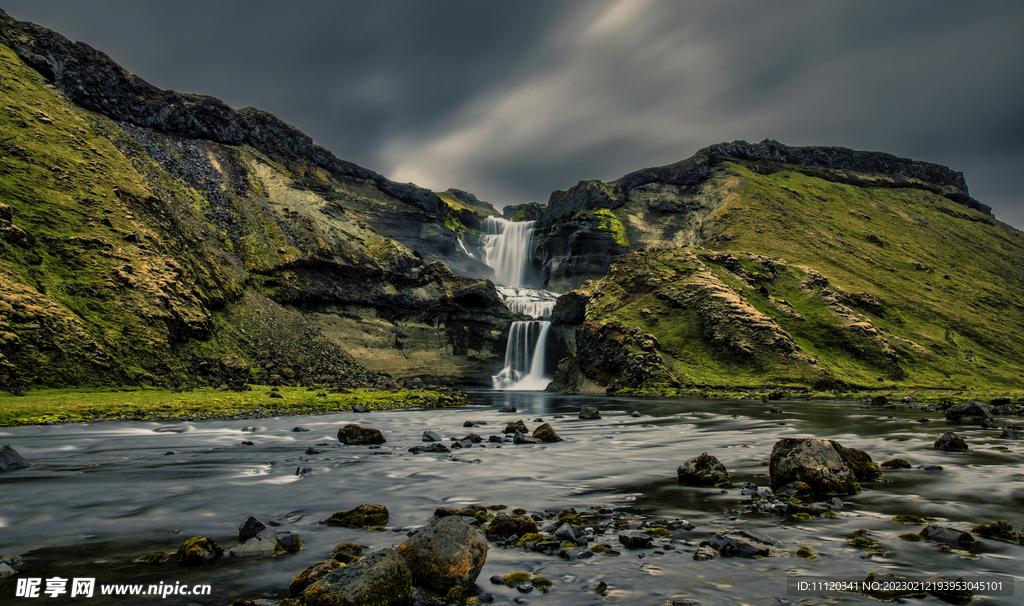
(928, 262)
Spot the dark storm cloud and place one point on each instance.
(512, 100)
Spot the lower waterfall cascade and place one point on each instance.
(508, 250)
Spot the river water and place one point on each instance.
(100, 495)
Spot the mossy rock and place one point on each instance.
(503, 526)
(907, 519)
(362, 516)
(600, 548)
(531, 537)
(380, 579)
(658, 533)
(1002, 530)
(806, 552)
(156, 558)
(912, 537)
(516, 578)
(542, 583)
(311, 575)
(198, 551)
(896, 464)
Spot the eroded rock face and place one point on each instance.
(380, 579)
(448, 553)
(814, 462)
(702, 470)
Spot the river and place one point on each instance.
(99, 495)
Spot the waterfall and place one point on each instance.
(524, 358)
(507, 248)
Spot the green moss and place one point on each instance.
(516, 578)
(658, 533)
(908, 519)
(599, 548)
(152, 404)
(911, 537)
(531, 537)
(806, 552)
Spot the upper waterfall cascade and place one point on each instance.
(507, 249)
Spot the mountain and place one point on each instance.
(156, 237)
(160, 237)
(764, 264)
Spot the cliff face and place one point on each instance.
(668, 205)
(783, 274)
(153, 236)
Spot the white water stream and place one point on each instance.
(508, 247)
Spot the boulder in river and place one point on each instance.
(522, 438)
(263, 544)
(896, 464)
(353, 434)
(360, 517)
(508, 408)
(198, 551)
(546, 433)
(589, 412)
(380, 579)
(1010, 531)
(1011, 431)
(504, 526)
(950, 442)
(971, 413)
(10, 460)
(702, 470)
(813, 461)
(432, 447)
(741, 544)
(250, 528)
(944, 534)
(431, 436)
(448, 553)
(516, 426)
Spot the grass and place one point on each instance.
(87, 405)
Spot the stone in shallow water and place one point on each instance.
(1011, 531)
(448, 553)
(10, 460)
(380, 579)
(353, 434)
(814, 462)
(950, 442)
(198, 551)
(360, 517)
(702, 470)
(944, 534)
(589, 412)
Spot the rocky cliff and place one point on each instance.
(764, 264)
(153, 236)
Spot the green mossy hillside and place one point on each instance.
(805, 281)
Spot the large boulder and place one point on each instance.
(354, 434)
(311, 575)
(971, 413)
(360, 517)
(198, 551)
(380, 579)
(589, 412)
(702, 470)
(448, 553)
(814, 462)
(516, 426)
(10, 460)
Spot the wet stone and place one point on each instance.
(950, 442)
(589, 412)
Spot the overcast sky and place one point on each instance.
(511, 100)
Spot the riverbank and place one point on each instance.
(59, 406)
